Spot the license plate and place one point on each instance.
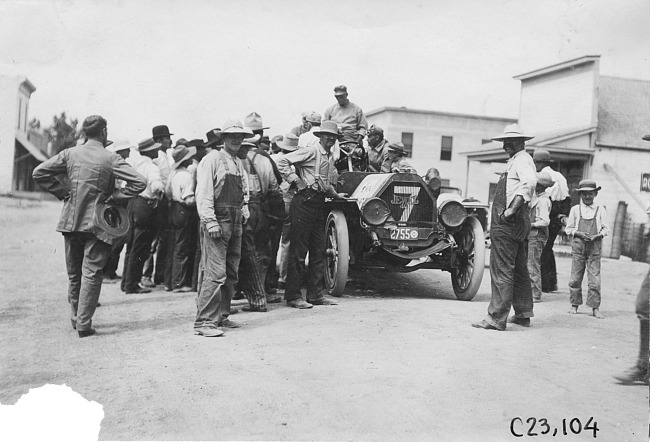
(404, 234)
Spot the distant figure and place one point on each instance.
(510, 224)
(431, 174)
(540, 208)
(304, 127)
(92, 171)
(587, 223)
(560, 207)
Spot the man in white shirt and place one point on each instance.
(560, 206)
(509, 232)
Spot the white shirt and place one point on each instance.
(522, 177)
(181, 184)
(309, 139)
(588, 212)
(560, 190)
(146, 167)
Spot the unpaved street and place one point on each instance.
(396, 360)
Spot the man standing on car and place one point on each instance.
(509, 234)
(313, 179)
(92, 171)
(348, 116)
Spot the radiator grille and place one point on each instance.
(409, 203)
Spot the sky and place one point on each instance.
(193, 64)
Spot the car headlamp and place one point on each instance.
(375, 211)
(452, 213)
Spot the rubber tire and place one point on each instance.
(336, 282)
(479, 257)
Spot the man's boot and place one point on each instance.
(640, 372)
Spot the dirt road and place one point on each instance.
(396, 360)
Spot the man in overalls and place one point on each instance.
(314, 180)
(256, 241)
(221, 203)
(509, 234)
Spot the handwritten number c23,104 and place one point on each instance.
(518, 428)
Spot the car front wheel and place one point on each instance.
(467, 274)
(337, 252)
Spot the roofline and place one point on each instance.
(566, 136)
(619, 147)
(498, 154)
(430, 112)
(611, 77)
(558, 67)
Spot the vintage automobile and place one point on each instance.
(399, 222)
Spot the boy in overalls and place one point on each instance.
(587, 222)
(540, 208)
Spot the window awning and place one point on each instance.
(558, 153)
(21, 137)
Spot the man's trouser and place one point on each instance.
(536, 242)
(183, 222)
(285, 241)
(253, 255)
(143, 229)
(585, 255)
(218, 271)
(164, 248)
(113, 261)
(85, 257)
(307, 235)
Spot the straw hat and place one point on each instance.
(512, 131)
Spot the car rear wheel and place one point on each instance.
(337, 252)
(467, 274)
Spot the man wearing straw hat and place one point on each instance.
(220, 198)
(314, 179)
(510, 224)
(92, 171)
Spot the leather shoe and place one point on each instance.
(249, 308)
(86, 333)
(147, 282)
(273, 299)
(137, 291)
(524, 322)
(299, 303)
(323, 301)
(484, 325)
(208, 332)
(183, 289)
(227, 323)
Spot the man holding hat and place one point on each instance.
(221, 199)
(348, 116)
(143, 215)
(92, 171)
(183, 217)
(510, 225)
(560, 206)
(587, 223)
(314, 180)
(394, 161)
(377, 147)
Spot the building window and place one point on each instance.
(407, 141)
(445, 148)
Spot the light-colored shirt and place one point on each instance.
(540, 209)
(522, 177)
(309, 139)
(164, 162)
(400, 165)
(210, 177)
(377, 155)
(287, 191)
(560, 190)
(349, 117)
(181, 185)
(265, 181)
(146, 167)
(588, 212)
(317, 176)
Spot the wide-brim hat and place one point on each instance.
(196, 142)
(235, 127)
(181, 154)
(512, 131)
(288, 142)
(160, 131)
(253, 121)
(148, 145)
(587, 186)
(118, 145)
(544, 180)
(328, 127)
(397, 147)
(214, 137)
(542, 155)
(111, 219)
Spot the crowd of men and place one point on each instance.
(213, 216)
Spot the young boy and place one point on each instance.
(540, 208)
(587, 222)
